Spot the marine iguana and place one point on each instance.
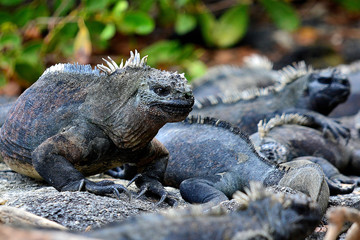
(288, 137)
(302, 91)
(352, 105)
(211, 159)
(76, 121)
(256, 72)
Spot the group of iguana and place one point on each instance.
(76, 121)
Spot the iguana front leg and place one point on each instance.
(150, 176)
(80, 145)
(321, 122)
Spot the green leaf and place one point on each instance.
(31, 52)
(28, 71)
(231, 26)
(119, 9)
(5, 17)
(108, 32)
(96, 5)
(350, 5)
(137, 22)
(184, 23)
(23, 15)
(282, 14)
(163, 51)
(207, 22)
(2, 79)
(10, 2)
(10, 40)
(195, 69)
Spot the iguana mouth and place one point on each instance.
(176, 107)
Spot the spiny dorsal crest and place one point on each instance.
(134, 62)
(265, 127)
(258, 61)
(349, 68)
(288, 74)
(292, 72)
(257, 191)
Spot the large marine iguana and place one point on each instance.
(256, 72)
(258, 214)
(75, 122)
(211, 159)
(288, 137)
(302, 91)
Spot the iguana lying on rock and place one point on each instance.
(352, 105)
(258, 214)
(257, 72)
(75, 122)
(302, 91)
(210, 159)
(286, 138)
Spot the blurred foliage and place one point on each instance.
(30, 31)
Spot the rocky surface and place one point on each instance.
(83, 211)
(78, 211)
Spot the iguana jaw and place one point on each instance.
(175, 107)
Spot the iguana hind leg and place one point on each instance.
(199, 190)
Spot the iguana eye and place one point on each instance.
(161, 91)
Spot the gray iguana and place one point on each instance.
(288, 137)
(302, 90)
(211, 159)
(76, 121)
(257, 72)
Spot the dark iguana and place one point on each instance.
(75, 122)
(287, 137)
(302, 91)
(210, 159)
(352, 105)
(257, 72)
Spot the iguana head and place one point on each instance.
(282, 215)
(134, 98)
(325, 90)
(161, 94)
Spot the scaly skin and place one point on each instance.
(288, 142)
(312, 93)
(211, 159)
(75, 122)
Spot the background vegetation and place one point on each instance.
(35, 34)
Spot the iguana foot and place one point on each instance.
(152, 186)
(336, 187)
(99, 188)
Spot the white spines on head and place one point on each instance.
(133, 62)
